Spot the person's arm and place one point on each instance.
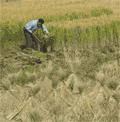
(46, 35)
(44, 30)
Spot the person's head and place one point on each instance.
(40, 22)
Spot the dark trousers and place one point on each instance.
(30, 40)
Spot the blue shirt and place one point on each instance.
(32, 26)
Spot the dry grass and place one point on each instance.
(73, 84)
(70, 98)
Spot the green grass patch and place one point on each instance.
(37, 54)
(100, 11)
(37, 70)
(30, 69)
(22, 80)
(94, 13)
(8, 58)
(1, 34)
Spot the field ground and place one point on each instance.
(76, 83)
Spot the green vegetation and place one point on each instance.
(78, 82)
(14, 31)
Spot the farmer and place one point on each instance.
(30, 38)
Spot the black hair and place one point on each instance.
(41, 20)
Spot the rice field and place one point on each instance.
(80, 81)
